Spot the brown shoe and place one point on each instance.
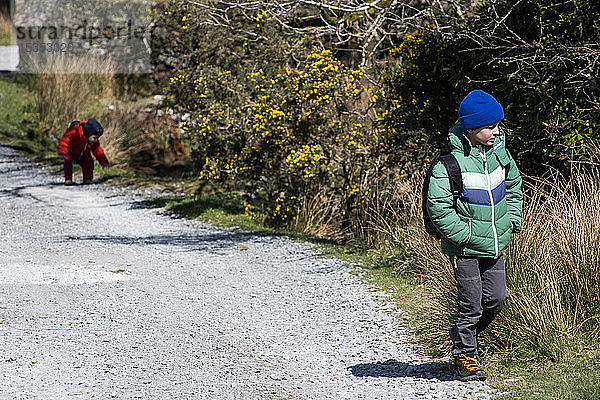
(87, 181)
(69, 182)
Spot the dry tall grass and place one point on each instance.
(144, 138)
(384, 216)
(5, 29)
(319, 217)
(69, 94)
(553, 267)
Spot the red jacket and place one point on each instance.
(75, 143)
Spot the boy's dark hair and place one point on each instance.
(456, 187)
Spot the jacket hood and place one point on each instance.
(92, 127)
(459, 142)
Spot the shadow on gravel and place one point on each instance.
(142, 205)
(155, 203)
(199, 241)
(18, 191)
(182, 213)
(17, 147)
(397, 369)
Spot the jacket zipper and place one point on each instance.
(489, 189)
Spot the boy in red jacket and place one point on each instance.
(78, 143)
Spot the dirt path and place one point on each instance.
(102, 297)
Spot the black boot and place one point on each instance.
(467, 368)
(480, 372)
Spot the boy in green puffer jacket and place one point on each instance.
(479, 228)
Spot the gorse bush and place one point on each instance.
(236, 40)
(296, 135)
(282, 119)
(268, 117)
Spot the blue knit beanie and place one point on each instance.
(479, 109)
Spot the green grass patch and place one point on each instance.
(19, 119)
(575, 378)
(5, 29)
(220, 209)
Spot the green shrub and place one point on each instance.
(538, 57)
(279, 118)
(293, 136)
(418, 99)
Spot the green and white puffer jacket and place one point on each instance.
(489, 208)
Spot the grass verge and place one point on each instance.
(19, 122)
(221, 209)
(577, 378)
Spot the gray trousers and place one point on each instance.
(481, 285)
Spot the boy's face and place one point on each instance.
(484, 135)
(93, 139)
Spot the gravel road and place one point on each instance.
(102, 296)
